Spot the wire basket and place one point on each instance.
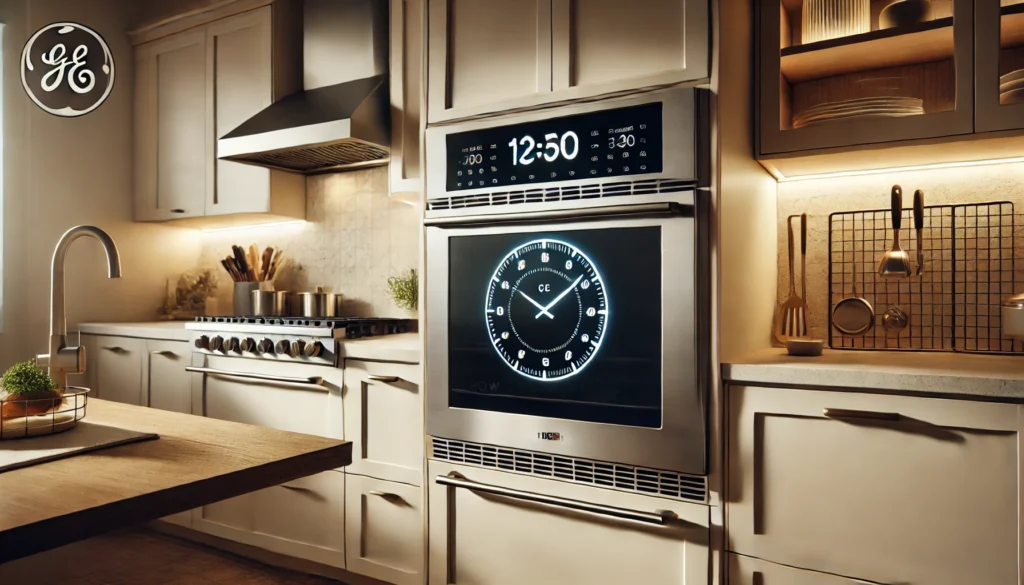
(39, 417)
(955, 304)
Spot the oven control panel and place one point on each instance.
(286, 348)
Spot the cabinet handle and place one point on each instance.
(658, 517)
(163, 352)
(177, 211)
(313, 381)
(116, 349)
(841, 413)
(296, 488)
(385, 379)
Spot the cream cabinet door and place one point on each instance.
(480, 538)
(171, 129)
(384, 420)
(487, 55)
(887, 489)
(750, 571)
(169, 386)
(304, 518)
(118, 363)
(603, 46)
(407, 26)
(384, 530)
(281, 406)
(240, 84)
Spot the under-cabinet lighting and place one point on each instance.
(928, 167)
(258, 226)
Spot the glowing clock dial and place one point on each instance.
(547, 310)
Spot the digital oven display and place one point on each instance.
(607, 143)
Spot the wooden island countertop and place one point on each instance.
(195, 462)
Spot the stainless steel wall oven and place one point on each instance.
(567, 281)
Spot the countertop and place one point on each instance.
(936, 373)
(195, 461)
(167, 330)
(404, 347)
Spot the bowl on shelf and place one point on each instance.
(905, 13)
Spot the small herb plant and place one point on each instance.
(405, 290)
(24, 380)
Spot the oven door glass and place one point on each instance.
(558, 324)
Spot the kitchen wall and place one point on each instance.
(821, 197)
(61, 172)
(356, 238)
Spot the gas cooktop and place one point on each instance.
(337, 327)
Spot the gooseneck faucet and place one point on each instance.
(62, 359)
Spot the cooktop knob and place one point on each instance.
(282, 347)
(248, 344)
(297, 348)
(203, 342)
(217, 343)
(313, 349)
(265, 346)
(232, 345)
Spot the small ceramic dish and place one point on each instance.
(805, 347)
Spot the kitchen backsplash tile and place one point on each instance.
(355, 238)
(821, 197)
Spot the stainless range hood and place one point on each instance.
(340, 121)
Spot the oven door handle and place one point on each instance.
(658, 517)
(313, 381)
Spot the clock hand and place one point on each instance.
(543, 309)
(560, 297)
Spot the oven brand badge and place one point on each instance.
(549, 436)
(67, 69)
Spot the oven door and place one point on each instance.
(580, 336)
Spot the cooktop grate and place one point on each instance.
(585, 471)
(354, 327)
(566, 193)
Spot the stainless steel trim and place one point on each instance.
(644, 209)
(315, 381)
(658, 517)
(256, 329)
(843, 413)
(386, 379)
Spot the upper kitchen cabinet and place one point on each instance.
(999, 47)
(488, 56)
(407, 100)
(844, 73)
(192, 86)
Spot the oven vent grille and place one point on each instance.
(554, 194)
(585, 471)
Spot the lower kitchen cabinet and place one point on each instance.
(888, 489)
(384, 530)
(479, 538)
(169, 385)
(384, 420)
(750, 571)
(303, 518)
(118, 376)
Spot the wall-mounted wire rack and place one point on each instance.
(954, 305)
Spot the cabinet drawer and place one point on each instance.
(482, 538)
(750, 571)
(384, 420)
(304, 518)
(119, 369)
(384, 530)
(891, 489)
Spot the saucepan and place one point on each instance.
(318, 304)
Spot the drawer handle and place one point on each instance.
(164, 353)
(385, 379)
(841, 413)
(296, 488)
(116, 349)
(311, 381)
(388, 497)
(658, 517)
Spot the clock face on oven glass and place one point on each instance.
(547, 310)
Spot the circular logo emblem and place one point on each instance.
(67, 69)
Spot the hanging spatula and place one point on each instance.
(791, 319)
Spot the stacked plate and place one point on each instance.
(870, 107)
(1011, 88)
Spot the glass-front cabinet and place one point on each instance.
(1000, 64)
(841, 73)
